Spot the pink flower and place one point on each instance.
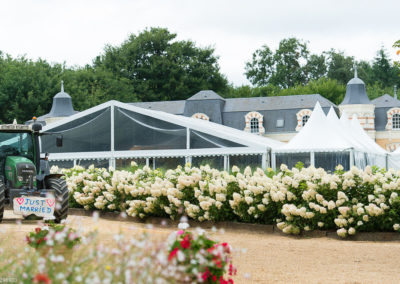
(180, 232)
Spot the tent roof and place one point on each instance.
(317, 135)
(359, 132)
(207, 127)
(343, 128)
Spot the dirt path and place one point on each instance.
(269, 258)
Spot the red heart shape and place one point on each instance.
(20, 200)
(50, 202)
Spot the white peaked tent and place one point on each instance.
(375, 154)
(394, 159)
(325, 142)
(318, 143)
(114, 133)
(343, 129)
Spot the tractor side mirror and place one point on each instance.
(59, 141)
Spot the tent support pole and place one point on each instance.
(264, 161)
(188, 159)
(351, 158)
(187, 138)
(273, 161)
(225, 163)
(387, 161)
(312, 159)
(112, 159)
(147, 162)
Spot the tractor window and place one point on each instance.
(16, 144)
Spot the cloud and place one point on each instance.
(77, 31)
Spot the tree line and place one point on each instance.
(153, 65)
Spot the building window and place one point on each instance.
(396, 121)
(393, 119)
(254, 123)
(200, 115)
(304, 119)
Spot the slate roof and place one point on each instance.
(386, 101)
(206, 95)
(174, 107)
(244, 104)
(276, 103)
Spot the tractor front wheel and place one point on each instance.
(61, 194)
(2, 199)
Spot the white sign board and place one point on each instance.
(39, 206)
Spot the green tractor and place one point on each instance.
(25, 180)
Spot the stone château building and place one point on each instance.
(279, 117)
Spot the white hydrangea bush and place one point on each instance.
(296, 200)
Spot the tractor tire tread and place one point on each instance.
(61, 194)
(2, 200)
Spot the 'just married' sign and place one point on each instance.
(39, 206)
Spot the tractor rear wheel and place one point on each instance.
(61, 195)
(2, 199)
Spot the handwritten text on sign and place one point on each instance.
(39, 206)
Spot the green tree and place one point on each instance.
(159, 67)
(365, 72)
(328, 88)
(316, 67)
(284, 68)
(26, 87)
(397, 45)
(339, 66)
(89, 87)
(383, 71)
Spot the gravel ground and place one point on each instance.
(264, 257)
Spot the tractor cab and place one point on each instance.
(17, 163)
(25, 180)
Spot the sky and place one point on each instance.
(76, 32)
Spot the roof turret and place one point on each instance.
(62, 104)
(355, 91)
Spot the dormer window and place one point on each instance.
(396, 121)
(393, 119)
(302, 117)
(254, 123)
(200, 115)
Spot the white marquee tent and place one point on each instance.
(114, 133)
(394, 159)
(326, 142)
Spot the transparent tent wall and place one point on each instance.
(90, 133)
(216, 162)
(101, 163)
(169, 163)
(122, 164)
(62, 164)
(242, 161)
(329, 160)
(291, 159)
(134, 131)
(200, 140)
